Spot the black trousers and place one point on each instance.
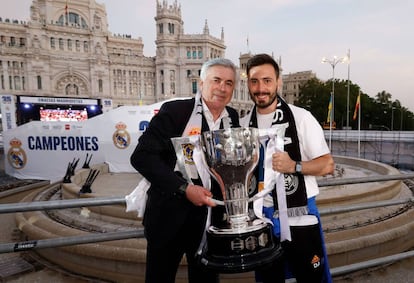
(163, 260)
(304, 254)
(302, 257)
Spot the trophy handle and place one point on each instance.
(217, 202)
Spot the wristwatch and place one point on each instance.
(298, 167)
(182, 189)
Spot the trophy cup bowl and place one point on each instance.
(243, 244)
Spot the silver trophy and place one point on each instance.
(231, 156)
(244, 242)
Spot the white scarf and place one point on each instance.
(190, 167)
(275, 136)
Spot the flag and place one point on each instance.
(66, 8)
(356, 107)
(328, 119)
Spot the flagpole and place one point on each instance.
(348, 58)
(66, 13)
(330, 106)
(330, 122)
(359, 124)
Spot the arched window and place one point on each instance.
(72, 19)
(61, 43)
(69, 44)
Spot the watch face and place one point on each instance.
(298, 167)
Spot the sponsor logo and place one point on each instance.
(316, 261)
(194, 131)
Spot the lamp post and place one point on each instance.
(347, 59)
(333, 62)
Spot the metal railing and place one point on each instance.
(86, 202)
(138, 233)
(346, 269)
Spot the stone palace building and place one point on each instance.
(67, 52)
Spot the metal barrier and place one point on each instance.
(85, 202)
(68, 241)
(138, 233)
(342, 270)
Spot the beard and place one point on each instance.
(262, 103)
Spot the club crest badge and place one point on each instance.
(188, 149)
(121, 138)
(16, 155)
(291, 183)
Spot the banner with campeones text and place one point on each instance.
(43, 150)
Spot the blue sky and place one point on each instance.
(378, 33)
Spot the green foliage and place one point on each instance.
(379, 113)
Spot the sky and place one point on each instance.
(379, 34)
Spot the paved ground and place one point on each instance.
(35, 273)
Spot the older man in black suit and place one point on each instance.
(176, 211)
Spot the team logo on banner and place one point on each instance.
(121, 137)
(16, 155)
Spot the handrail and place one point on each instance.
(361, 206)
(70, 240)
(346, 269)
(85, 202)
(59, 204)
(368, 179)
(139, 233)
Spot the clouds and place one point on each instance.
(379, 34)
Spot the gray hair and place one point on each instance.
(217, 62)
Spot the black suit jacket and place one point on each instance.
(155, 158)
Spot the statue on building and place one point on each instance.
(72, 89)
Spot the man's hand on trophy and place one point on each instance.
(199, 195)
(281, 162)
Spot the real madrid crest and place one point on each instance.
(16, 155)
(291, 183)
(188, 149)
(121, 137)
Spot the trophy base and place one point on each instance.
(229, 251)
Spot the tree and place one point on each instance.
(383, 97)
(315, 96)
(376, 112)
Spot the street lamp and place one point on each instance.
(333, 62)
